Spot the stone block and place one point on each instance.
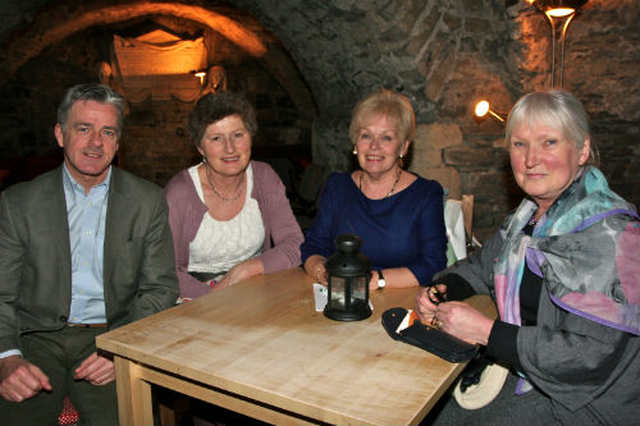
(473, 157)
(437, 136)
(448, 177)
(425, 157)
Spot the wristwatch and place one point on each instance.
(381, 281)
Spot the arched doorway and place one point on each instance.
(62, 47)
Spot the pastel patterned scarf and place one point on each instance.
(587, 249)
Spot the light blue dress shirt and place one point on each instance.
(87, 216)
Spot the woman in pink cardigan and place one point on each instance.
(229, 216)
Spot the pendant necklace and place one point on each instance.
(215, 191)
(393, 187)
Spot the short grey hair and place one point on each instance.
(557, 109)
(91, 92)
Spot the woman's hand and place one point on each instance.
(428, 300)
(464, 322)
(314, 267)
(241, 271)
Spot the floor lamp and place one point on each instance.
(560, 14)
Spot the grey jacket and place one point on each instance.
(35, 257)
(580, 364)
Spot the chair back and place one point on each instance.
(458, 219)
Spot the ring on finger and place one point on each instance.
(433, 291)
(434, 321)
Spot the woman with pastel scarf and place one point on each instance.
(564, 271)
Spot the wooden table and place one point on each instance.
(259, 348)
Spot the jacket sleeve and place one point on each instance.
(282, 228)
(476, 270)
(12, 251)
(157, 283)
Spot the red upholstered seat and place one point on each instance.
(68, 416)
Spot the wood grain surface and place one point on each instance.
(260, 347)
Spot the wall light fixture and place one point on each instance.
(560, 13)
(200, 75)
(483, 107)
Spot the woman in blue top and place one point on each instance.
(398, 215)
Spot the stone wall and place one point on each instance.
(155, 143)
(442, 54)
(446, 54)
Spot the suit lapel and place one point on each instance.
(48, 226)
(54, 214)
(116, 231)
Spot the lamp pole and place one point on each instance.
(559, 26)
(560, 14)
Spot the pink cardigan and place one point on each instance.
(282, 236)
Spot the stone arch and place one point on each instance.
(45, 31)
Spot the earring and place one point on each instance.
(355, 150)
(204, 160)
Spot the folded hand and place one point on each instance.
(96, 369)
(20, 379)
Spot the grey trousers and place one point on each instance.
(58, 354)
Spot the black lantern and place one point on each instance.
(349, 273)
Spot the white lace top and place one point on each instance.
(220, 245)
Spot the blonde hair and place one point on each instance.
(394, 106)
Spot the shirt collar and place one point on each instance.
(70, 184)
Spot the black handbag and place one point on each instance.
(430, 339)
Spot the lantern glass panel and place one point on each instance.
(338, 292)
(359, 289)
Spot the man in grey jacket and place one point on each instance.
(83, 249)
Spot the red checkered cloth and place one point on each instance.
(68, 416)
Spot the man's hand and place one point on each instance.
(96, 369)
(20, 379)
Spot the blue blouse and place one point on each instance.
(404, 230)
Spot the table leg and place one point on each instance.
(135, 404)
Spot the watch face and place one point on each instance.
(381, 283)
